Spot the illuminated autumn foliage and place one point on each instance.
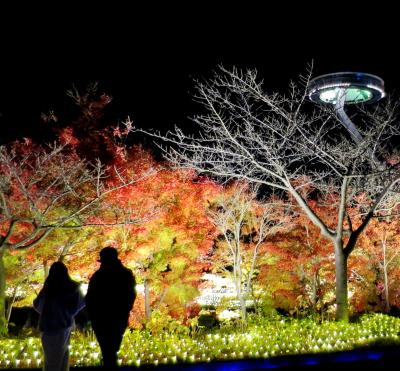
(96, 188)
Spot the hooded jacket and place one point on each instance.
(57, 311)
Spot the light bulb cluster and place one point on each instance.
(264, 340)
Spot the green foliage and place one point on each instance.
(161, 322)
(265, 308)
(206, 321)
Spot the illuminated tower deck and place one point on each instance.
(343, 88)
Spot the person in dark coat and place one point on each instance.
(57, 303)
(109, 299)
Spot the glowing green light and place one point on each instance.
(353, 95)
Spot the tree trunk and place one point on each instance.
(240, 297)
(243, 310)
(147, 308)
(240, 294)
(3, 321)
(385, 275)
(45, 269)
(387, 303)
(342, 310)
(314, 293)
(11, 303)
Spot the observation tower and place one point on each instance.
(342, 88)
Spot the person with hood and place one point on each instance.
(57, 303)
(109, 300)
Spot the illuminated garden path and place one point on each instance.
(373, 340)
(371, 359)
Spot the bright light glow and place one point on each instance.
(359, 88)
(216, 289)
(353, 95)
(140, 288)
(328, 95)
(374, 87)
(228, 314)
(83, 287)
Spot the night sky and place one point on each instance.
(147, 61)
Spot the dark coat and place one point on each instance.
(111, 294)
(57, 311)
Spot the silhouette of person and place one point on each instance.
(57, 303)
(109, 299)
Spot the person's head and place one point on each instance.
(58, 278)
(58, 271)
(108, 255)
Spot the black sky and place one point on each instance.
(148, 60)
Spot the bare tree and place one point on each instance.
(244, 224)
(46, 188)
(387, 259)
(283, 142)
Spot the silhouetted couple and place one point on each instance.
(109, 299)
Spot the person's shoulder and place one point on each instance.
(127, 271)
(95, 275)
